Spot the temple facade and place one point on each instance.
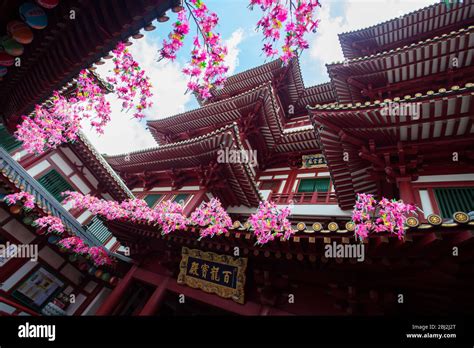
(395, 120)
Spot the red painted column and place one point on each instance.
(406, 190)
(114, 298)
(153, 303)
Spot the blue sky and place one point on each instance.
(237, 27)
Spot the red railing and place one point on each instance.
(304, 198)
(19, 309)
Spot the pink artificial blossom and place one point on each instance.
(59, 120)
(206, 68)
(74, 244)
(99, 256)
(382, 216)
(28, 199)
(167, 214)
(270, 222)
(132, 86)
(297, 19)
(52, 223)
(212, 216)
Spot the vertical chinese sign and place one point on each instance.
(219, 274)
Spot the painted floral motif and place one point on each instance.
(27, 198)
(270, 222)
(212, 216)
(52, 224)
(382, 216)
(296, 17)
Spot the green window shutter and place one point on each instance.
(322, 185)
(97, 228)
(451, 200)
(152, 199)
(8, 141)
(313, 185)
(180, 197)
(55, 184)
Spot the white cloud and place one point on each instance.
(356, 14)
(232, 58)
(124, 133)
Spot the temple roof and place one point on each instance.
(261, 100)
(398, 72)
(410, 28)
(196, 154)
(357, 130)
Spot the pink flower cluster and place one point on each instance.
(99, 256)
(383, 216)
(297, 17)
(27, 198)
(52, 223)
(270, 222)
(176, 38)
(212, 215)
(59, 121)
(207, 68)
(169, 215)
(74, 244)
(90, 102)
(50, 126)
(128, 80)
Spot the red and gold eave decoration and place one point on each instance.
(19, 33)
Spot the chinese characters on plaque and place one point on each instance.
(220, 274)
(314, 161)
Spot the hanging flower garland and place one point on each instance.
(383, 216)
(207, 68)
(176, 37)
(169, 215)
(59, 121)
(270, 222)
(297, 19)
(212, 216)
(52, 224)
(26, 198)
(128, 79)
(99, 256)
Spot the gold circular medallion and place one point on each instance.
(333, 227)
(301, 226)
(434, 219)
(461, 217)
(317, 226)
(350, 226)
(412, 222)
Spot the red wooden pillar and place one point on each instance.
(117, 294)
(406, 190)
(153, 303)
